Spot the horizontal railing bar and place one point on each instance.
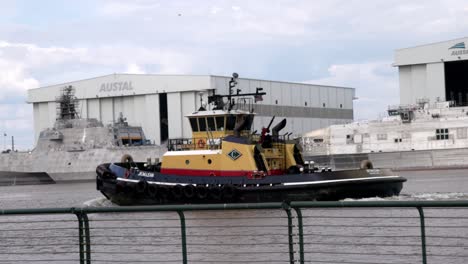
(238, 206)
(199, 261)
(386, 226)
(193, 244)
(350, 262)
(362, 253)
(37, 260)
(38, 237)
(381, 217)
(383, 244)
(199, 235)
(39, 253)
(135, 253)
(188, 227)
(362, 244)
(353, 204)
(195, 219)
(133, 244)
(241, 261)
(135, 261)
(186, 207)
(133, 227)
(126, 236)
(191, 252)
(39, 245)
(34, 221)
(37, 229)
(445, 237)
(363, 217)
(381, 236)
(448, 256)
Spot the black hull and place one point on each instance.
(169, 189)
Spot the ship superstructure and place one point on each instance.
(423, 135)
(73, 148)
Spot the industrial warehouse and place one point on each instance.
(428, 129)
(158, 103)
(434, 72)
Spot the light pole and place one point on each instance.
(4, 140)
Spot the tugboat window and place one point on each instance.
(193, 123)
(248, 123)
(220, 123)
(230, 122)
(202, 124)
(211, 123)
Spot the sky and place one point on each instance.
(343, 43)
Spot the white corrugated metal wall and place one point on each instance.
(141, 105)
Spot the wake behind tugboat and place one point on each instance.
(225, 162)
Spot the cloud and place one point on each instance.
(14, 80)
(126, 8)
(19, 62)
(134, 69)
(376, 86)
(27, 57)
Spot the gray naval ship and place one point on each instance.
(412, 137)
(74, 147)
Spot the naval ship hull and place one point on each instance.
(399, 160)
(134, 186)
(73, 165)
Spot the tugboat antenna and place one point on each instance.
(218, 99)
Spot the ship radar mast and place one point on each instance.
(67, 104)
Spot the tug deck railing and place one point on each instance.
(368, 232)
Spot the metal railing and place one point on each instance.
(365, 232)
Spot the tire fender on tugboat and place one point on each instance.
(366, 165)
(228, 191)
(177, 191)
(126, 158)
(141, 186)
(152, 191)
(189, 191)
(202, 192)
(215, 192)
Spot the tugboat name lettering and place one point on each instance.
(145, 174)
(373, 171)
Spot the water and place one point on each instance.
(331, 235)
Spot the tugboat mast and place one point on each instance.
(217, 99)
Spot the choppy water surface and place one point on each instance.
(331, 235)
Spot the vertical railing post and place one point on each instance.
(287, 208)
(183, 236)
(301, 234)
(81, 237)
(423, 234)
(87, 237)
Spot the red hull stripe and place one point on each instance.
(221, 173)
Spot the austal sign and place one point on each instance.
(116, 86)
(460, 49)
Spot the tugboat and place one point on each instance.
(225, 162)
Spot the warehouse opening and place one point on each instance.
(163, 121)
(456, 82)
